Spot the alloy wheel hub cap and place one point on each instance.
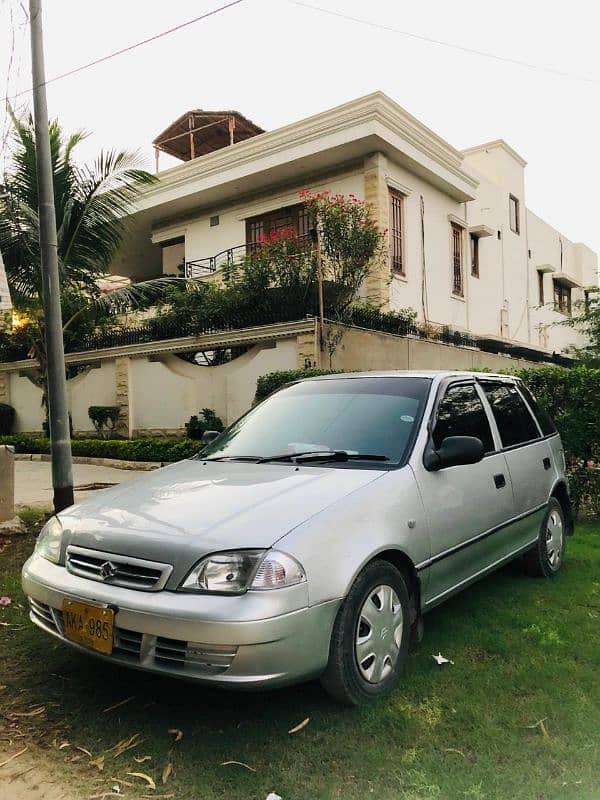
(554, 539)
(379, 634)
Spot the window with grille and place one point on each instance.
(457, 257)
(474, 256)
(397, 232)
(296, 217)
(513, 214)
(562, 298)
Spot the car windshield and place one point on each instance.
(357, 417)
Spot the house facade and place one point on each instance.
(464, 250)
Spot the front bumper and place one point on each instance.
(255, 640)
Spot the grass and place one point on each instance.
(524, 650)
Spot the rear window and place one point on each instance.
(544, 419)
(514, 421)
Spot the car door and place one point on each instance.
(467, 504)
(528, 454)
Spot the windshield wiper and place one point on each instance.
(323, 455)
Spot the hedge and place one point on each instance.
(268, 383)
(125, 449)
(571, 397)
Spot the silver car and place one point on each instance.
(309, 539)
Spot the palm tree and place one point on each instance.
(92, 203)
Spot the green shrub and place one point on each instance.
(7, 419)
(268, 383)
(206, 421)
(104, 419)
(161, 450)
(572, 398)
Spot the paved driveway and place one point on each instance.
(33, 481)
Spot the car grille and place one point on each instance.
(171, 654)
(127, 644)
(212, 659)
(50, 618)
(117, 570)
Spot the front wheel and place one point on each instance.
(546, 556)
(370, 636)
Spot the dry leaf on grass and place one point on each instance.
(300, 725)
(119, 704)
(166, 773)
(142, 759)
(126, 744)
(12, 758)
(83, 750)
(98, 762)
(34, 713)
(440, 659)
(178, 734)
(63, 745)
(142, 776)
(158, 796)
(239, 764)
(454, 750)
(540, 724)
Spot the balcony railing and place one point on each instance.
(201, 267)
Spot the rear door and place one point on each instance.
(528, 454)
(465, 504)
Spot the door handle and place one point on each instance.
(500, 481)
(546, 463)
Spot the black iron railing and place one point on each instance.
(165, 328)
(201, 267)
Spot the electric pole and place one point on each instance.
(58, 412)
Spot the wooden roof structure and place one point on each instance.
(198, 132)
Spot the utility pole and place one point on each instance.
(58, 412)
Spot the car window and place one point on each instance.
(514, 421)
(377, 416)
(461, 413)
(544, 419)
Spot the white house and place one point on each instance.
(464, 249)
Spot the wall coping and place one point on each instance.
(239, 336)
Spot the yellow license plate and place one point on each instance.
(89, 625)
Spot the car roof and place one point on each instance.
(433, 374)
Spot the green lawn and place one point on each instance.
(524, 650)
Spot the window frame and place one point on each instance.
(474, 244)
(540, 287)
(449, 386)
(396, 235)
(263, 224)
(457, 264)
(514, 383)
(562, 291)
(513, 201)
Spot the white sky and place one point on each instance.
(277, 62)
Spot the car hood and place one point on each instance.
(180, 513)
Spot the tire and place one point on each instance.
(545, 559)
(369, 642)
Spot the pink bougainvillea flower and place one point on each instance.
(5, 601)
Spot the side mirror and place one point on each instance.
(454, 451)
(209, 436)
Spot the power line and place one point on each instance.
(128, 49)
(451, 45)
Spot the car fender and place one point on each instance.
(334, 545)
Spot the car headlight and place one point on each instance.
(49, 541)
(237, 572)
